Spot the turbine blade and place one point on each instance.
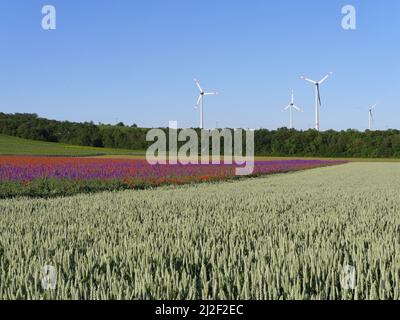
(198, 85)
(199, 100)
(286, 108)
(325, 78)
(319, 96)
(309, 80)
(211, 93)
(297, 108)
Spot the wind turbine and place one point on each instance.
(371, 116)
(318, 103)
(292, 106)
(200, 101)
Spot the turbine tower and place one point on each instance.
(318, 103)
(371, 116)
(290, 107)
(200, 101)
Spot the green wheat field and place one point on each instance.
(16, 146)
(276, 237)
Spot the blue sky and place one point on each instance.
(134, 61)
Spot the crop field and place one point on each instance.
(46, 176)
(284, 236)
(17, 146)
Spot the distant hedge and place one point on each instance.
(281, 142)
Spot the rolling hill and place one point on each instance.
(17, 146)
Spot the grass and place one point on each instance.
(17, 146)
(330, 158)
(268, 158)
(277, 237)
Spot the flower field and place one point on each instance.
(277, 237)
(57, 175)
(30, 168)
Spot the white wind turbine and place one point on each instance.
(290, 107)
(318, 104)
(200, 102)
(371, 116)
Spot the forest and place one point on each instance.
(280, 142)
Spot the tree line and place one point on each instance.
(281, 142)
(30, 126)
